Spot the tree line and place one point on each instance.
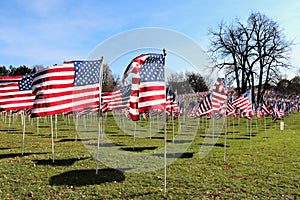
(252, 53)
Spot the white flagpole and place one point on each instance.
(225, 129)
(52, 139)
(265, 127)
(37, 125)
(23, 131)
(150, 125)
(134, 132)
(55, 125)
(99, 112)
(165, 130)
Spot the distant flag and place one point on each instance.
(106, 101)
(264, 109)
(15, 92)
(120, 98)
(72, 86)
(148, 90)
(244, 103)
(205, 106)
(219, 97)
(230, 109)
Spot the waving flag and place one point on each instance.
(205, 106)
(72, 86)
(219, 98)
(148, 90)
(15, 92)
(244, 103)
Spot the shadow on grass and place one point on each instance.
(237, 138)
(87, 177)
(13, 155)
(175, 155)
(61, 162)
(8, 130)
(157, 137)
(76, 140)
(137, 149)
(19, 132)
(180, 141)
(217, 144)
(105, 144)
(4, 148)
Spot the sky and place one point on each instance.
(48, 32)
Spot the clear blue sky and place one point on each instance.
(46, 32)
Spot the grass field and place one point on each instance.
(259, 164)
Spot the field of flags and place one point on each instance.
(75, 89)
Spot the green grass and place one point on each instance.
(258, 165)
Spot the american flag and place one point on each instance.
(277, 113)
(106, 101)
(230, 109)
(72, 86)
(219, 98)
(205, 106)
(148, 84)
(244, 103)
(171, 103)
(15, 92)
(264, 109)
(120, 98)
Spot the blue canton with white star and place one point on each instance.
(86, 72)
(153, 69)
(26, 82)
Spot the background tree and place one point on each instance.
(196, 81)
(4, 71)
(252, 53)
(13, 71)
(294, 85)
(108, 79)
(187, 82)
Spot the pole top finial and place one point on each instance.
(164, 52)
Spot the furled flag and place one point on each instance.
(15, 92)
(243, 103)
(219, 98)
(148, 91)
(72, 86)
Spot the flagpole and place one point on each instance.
(23, 130)
(99, 112)
(225, 129)
(52, 139)
(165, 130)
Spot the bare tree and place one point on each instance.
(251, 53)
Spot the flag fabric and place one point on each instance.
(148, 90)
(106, 101)
(219, 98)
(15, 92)
(230, 109)
(244, 103)
(120, 98)
(264, 109)
(72, 86)
(171, 103)
(205, 106)
(277, 113)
